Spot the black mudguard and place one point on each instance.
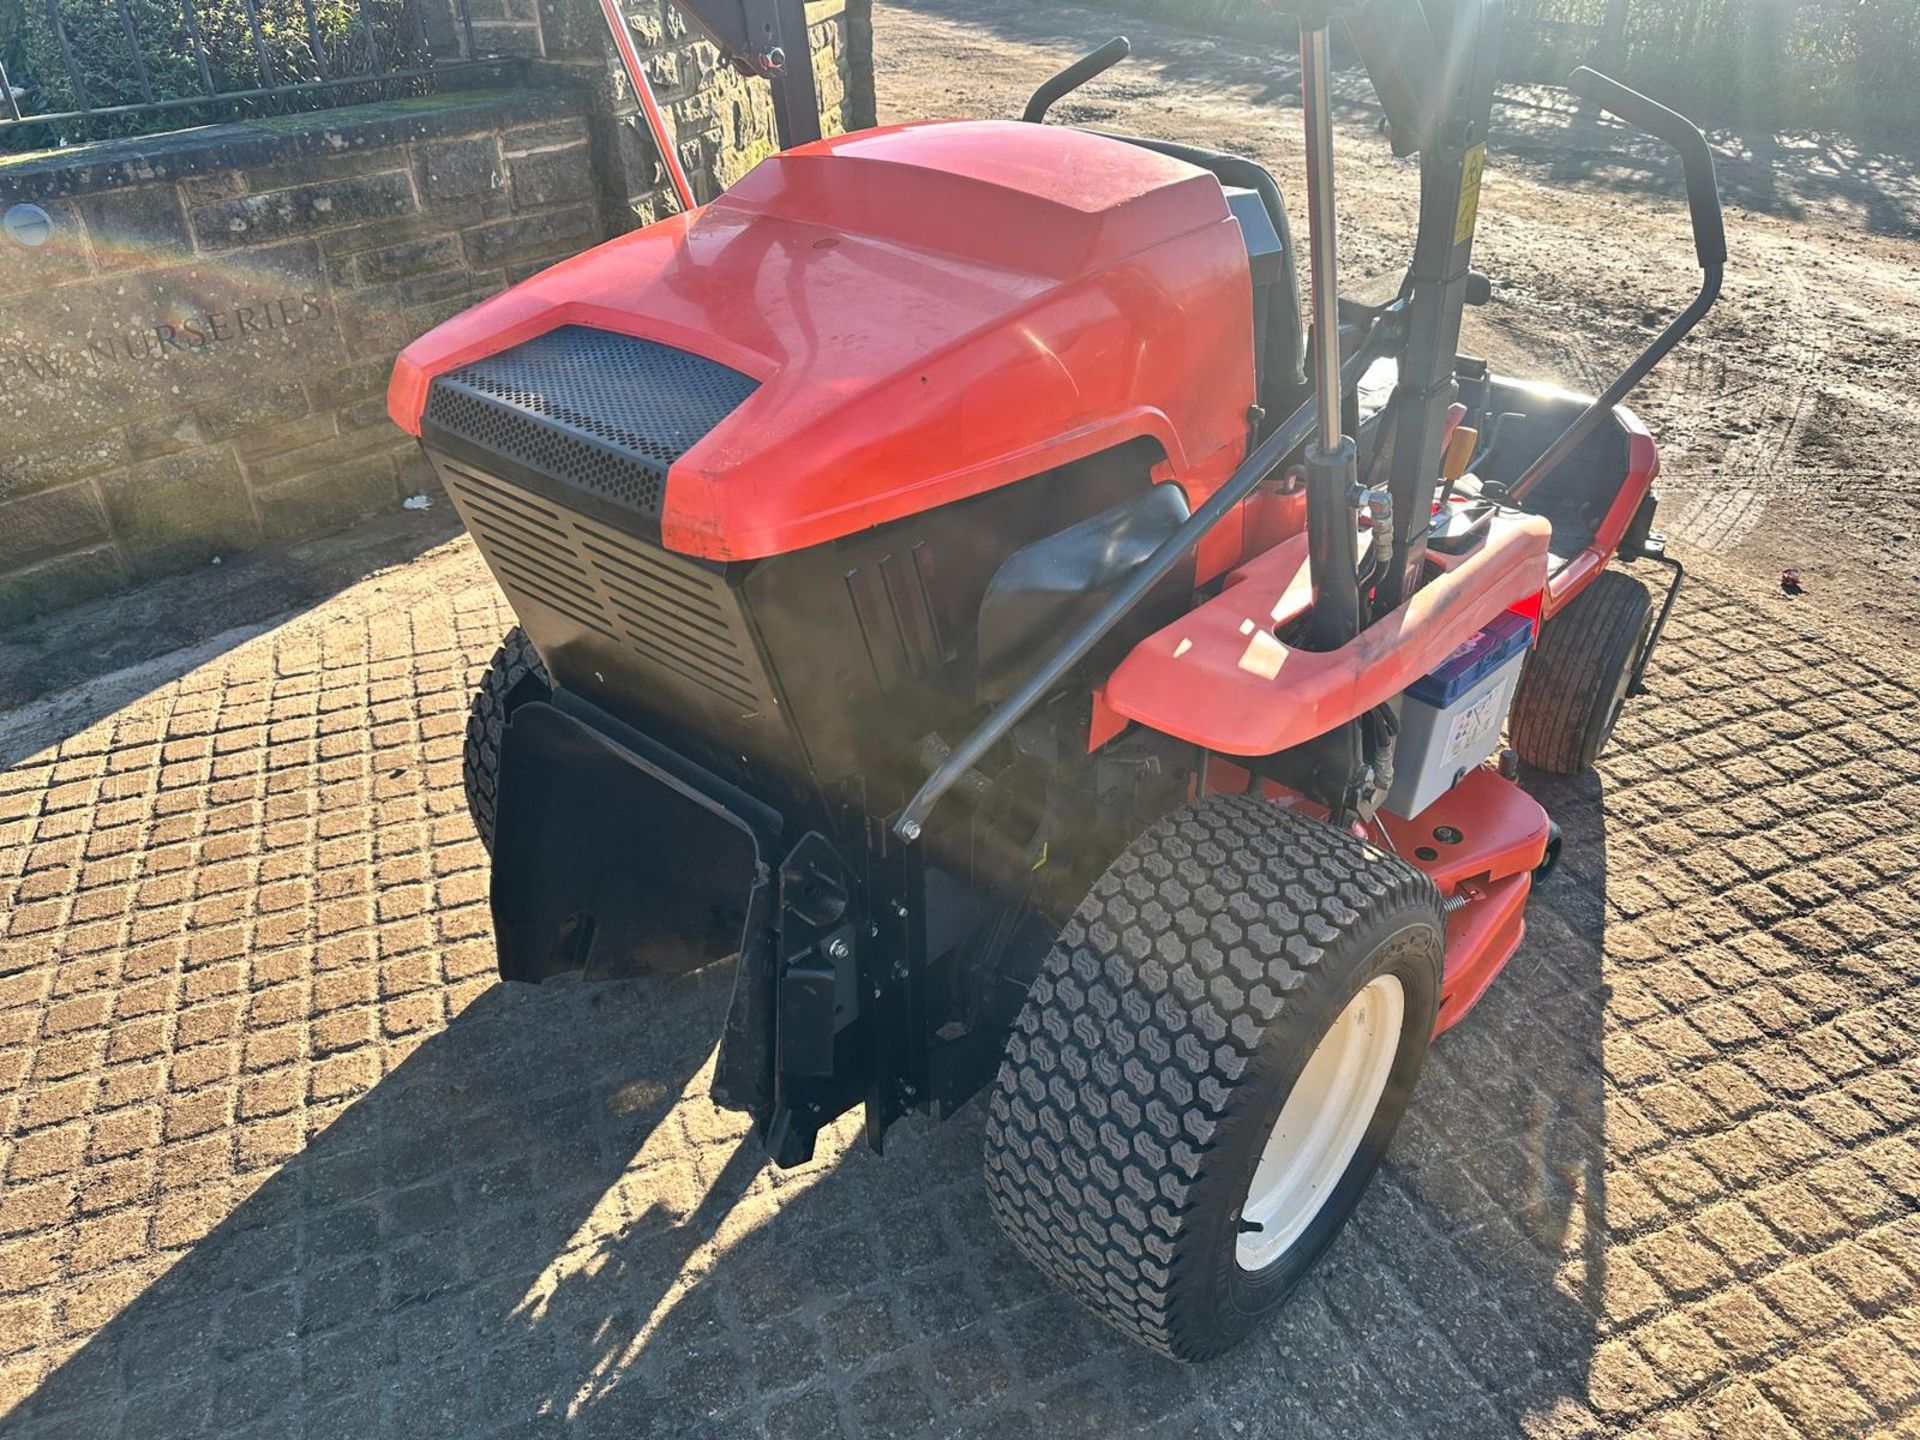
(613, 859)
(616, 857)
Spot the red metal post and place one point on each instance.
(649, 107)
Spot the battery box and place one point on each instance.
(1450, 719)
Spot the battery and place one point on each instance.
(1450, 718)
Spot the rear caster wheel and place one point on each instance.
(1550, 861)
(1575, 682)
(1209, 1067)
(515, 676)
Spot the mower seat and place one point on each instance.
(1576, 496)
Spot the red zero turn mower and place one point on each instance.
(955, 578)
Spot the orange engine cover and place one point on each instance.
(930, 311)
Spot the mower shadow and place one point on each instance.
(538, 1224)
(393, 1277)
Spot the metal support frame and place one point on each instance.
(767, 38)
(1467, 36)
(786, 59)
(1333, 467)
(1636, 682)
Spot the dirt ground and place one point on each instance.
(1786, 424)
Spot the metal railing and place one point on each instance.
(90, 59)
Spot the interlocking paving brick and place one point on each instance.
(279, 1152)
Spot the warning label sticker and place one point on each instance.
(1470, 726)
(1469, 213)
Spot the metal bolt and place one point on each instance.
(910, 831)
(838, 949)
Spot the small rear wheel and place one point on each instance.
(1575, 681)
(515, 676)
(1210, 1066)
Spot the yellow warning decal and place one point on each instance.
(1470, 172)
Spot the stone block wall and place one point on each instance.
(723, 122)
(193, 361)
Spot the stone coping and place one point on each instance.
(115, 164)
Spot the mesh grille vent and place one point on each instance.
(608, 413)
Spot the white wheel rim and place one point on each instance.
(1322, 1123)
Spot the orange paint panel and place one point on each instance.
(932, 310)
(1481, 938)
(1502, 831)
(1219, 677)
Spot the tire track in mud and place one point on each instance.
(1751, 471)
(1784, 421)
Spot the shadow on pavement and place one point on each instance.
(538, 1224)
(94, 658)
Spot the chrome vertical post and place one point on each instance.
(1317, 104)
(1333, 470)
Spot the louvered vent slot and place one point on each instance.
(529, 548)
(681, 618)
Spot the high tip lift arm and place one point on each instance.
(1331, 460)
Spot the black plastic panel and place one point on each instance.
(601, 412)
(654, 637)
(1047, 588)
(610, 865)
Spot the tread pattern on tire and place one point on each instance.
(513, 665)
(1146, 1015)
(1558, 722)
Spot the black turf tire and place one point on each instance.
(515, 676)
(1574, 684)
(1164, 1032)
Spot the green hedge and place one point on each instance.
(96, 33)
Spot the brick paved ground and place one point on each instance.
(281, 1158)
